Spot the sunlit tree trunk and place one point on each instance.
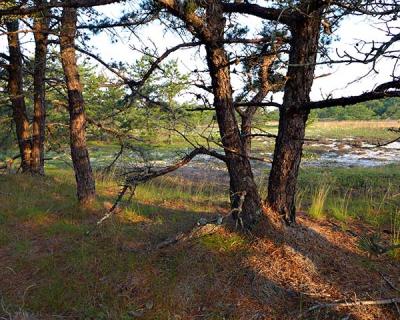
(39, 108)
(289, 143)
(17, 97)
(239, 167)
(79, 152)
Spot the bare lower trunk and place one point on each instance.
(16, 92)
(239, 167)
(293, 116)
(39, 108)
(285, 166)
(79, 152)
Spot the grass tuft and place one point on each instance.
(395, 234)
(318, 202)
(340, 207)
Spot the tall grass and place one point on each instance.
(395, 233)
(300, 197)
(340, 207)
(318, 201)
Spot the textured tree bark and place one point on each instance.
(39, 109)
(79, 152)
(239, 167)
(16, 92)
(238, 164)
(209, 28)
(245, 129)
(292, 122)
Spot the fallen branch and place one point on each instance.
(389, 282)
(199, 230)
(121, 194)
(355, 303)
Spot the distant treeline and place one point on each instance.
(377, 109)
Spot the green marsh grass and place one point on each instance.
(368, 194)
(318, 202)
(395, 233)
(339, 207)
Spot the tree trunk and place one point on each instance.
(266, 86)
(79, 152)
(39, 108)
(239, 167)
(286, 162)
(245, 128)
(293, 117)
(16, 92)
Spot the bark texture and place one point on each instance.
(209, 29)
(293, 116)
(17, 97)
(79, 152)
(238, 164)
(39, 108)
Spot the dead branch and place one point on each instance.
(389, 282)
(111, 211)
(236, 212)
(378, 145)
(204, 227)
(355, 303)
(148, 174)
(199, 230)
(108, 168)
(267, 135)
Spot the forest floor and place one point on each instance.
(56, 264)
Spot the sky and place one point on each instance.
(340, 82)
(341, 79)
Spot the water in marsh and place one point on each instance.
(347, 152)
(325, 153)
(351, 153)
